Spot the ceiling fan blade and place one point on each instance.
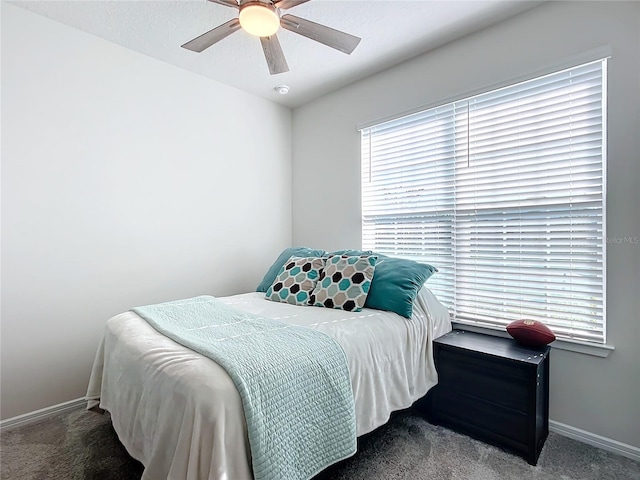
(205, 40)
(226, 3)
(273, 53)
(320, 33)
(287, 4)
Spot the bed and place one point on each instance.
(180, 414)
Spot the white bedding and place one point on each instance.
(180, 414)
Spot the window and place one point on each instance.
(504, 193)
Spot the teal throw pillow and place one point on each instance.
(286, 254)
(351, 252)
(296, 280)
(344, 283)
(396, 284)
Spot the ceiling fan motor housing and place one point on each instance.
(269, 3)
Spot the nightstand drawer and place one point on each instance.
(475, 414)
(495, 382)
(495, 366)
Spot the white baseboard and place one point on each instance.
(594, 440)
(41, 414)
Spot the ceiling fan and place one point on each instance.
(262, 18)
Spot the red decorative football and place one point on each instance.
(531, 333)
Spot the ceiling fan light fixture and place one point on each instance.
(262, 19)
(259, 19)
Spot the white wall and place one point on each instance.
(593, 394)
(125, 181)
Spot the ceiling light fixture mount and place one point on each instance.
(259, 19)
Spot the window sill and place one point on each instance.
(602, 351)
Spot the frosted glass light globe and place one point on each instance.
(259, 19)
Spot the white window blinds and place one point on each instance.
(504, 193)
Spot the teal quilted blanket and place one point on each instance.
(293, 381)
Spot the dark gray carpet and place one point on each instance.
(82, 445)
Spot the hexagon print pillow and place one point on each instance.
(296, 280)
(344, 283)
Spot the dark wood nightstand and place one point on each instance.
(492, 389)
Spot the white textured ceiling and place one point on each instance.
(391, 31)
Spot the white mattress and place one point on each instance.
(180, 414)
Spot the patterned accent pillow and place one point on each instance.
(296, 280)
(284, 256)
(344, 283)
